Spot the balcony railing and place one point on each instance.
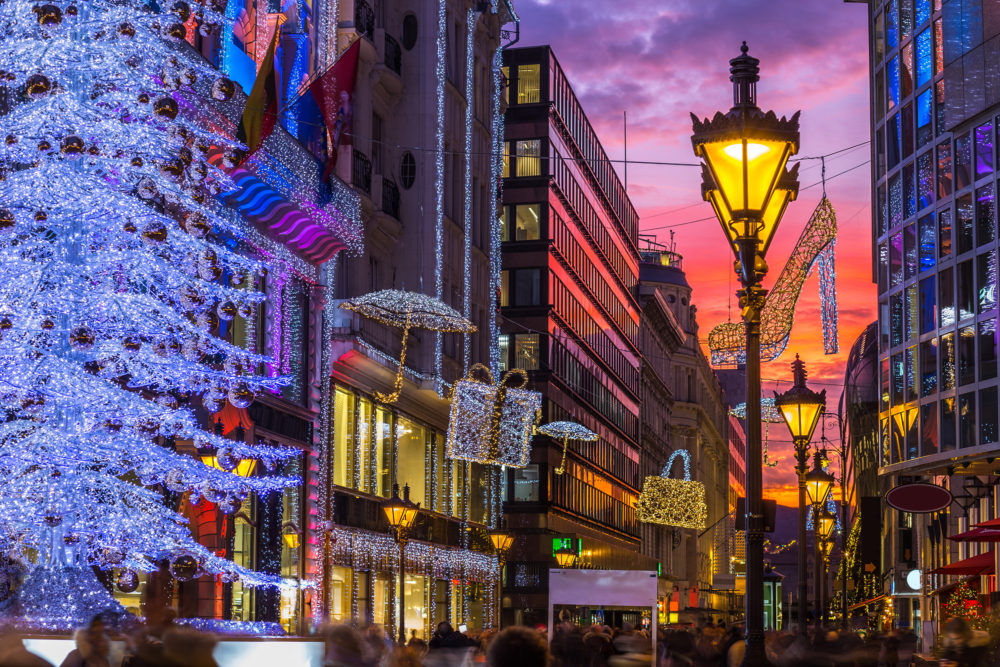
(361, 172)
(582, 499)
(364, 19)
(390, 198)
(393, 54)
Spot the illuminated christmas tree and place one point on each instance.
(964, 603)
(122, 282)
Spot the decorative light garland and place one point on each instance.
(439, 67)
(566, 431)
(491, 422)
(673, 502)
(471, 17)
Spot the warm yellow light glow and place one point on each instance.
(801, 416)
(565, 559)
(818, 485)
(754, 151)
(827, 522)
(292, 540)
(746, 186)
(501, 541)
(244, 468)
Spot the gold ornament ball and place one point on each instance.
(41, 216)
(176, 31)
(72, 10)
(48, 324)
(126, 29)
(49, 15)
(5, 323)
(223, 89)
(226, 311)
(82, 338)
(143, 98)
(182, 10)
(197, 225)
(43, 146)
(7, 219)
(37, 86)
(129, 227)
(172, 168)
(132, 343)
(71, 145)
(240, 396)
(166, 107)
(184, 568)
(127, 581)
(154, 232)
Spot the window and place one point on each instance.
(948, 424)
(967, 419)
(966, 290)
(910, 251)
(505, 160)
(376, 144)
(964, 223)
(963, 161)
(528, 157)
(987, 349)
(925, 58)
(943, 170)
(944, 233)
(527, 223)
(924, 130)
(912, 374)
(407, 170)
(984, 150)
(529, 85)
(988, 416)
(892, 81)
(928, 305)
(946, 354)
(526, 483)
(912, 311)
(905, 19)
(986, 222)
(526, 352)
(966, 355)
(411, 458)
(986, 281)
(527, 287)
(928, 367)
(503, 345)
(928, 429)
(891, 25)
(409, 31)
(504, 288)
(883, 268)
(946, 297)
(926, 240)
(906, 70)
(895, 200)
(343, 438)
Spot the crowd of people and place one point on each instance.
(704, 645)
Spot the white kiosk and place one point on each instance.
(607, 588)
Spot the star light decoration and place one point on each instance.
(566, 431)
(491, 422)
(407, 310)
(119, 271)
(673, 502)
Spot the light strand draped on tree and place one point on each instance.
(122, 282)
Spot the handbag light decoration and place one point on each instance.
(492, 422)
(673, 502)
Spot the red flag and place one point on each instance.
(261, 112)
(334, 93)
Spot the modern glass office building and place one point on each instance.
(935, 87)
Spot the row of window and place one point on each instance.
(585, 215)
(897, 22)
(912, 68)
(610, 453)
(580, 263)
(940, 426)
(936, 174)
(940, 364)
(575, 492)
(571, 115)
(597, 391)
(519, 351)
(580, 320)
(375, 447)
(919, 309)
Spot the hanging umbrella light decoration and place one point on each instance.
(566, 431)
(769, 414)
(407, 310)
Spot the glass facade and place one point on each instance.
(935, 233)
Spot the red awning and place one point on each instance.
(981, 564)
(977, 534)
(992, 523)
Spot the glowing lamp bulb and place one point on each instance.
(754, 151)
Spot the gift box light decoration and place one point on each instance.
(407, 310)
(117, 267)
(566, 431)
(491, 422)
(673, 502)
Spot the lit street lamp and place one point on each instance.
(502, 542)
(744, 178)
(401, 513)
(819, 483)
(801, 409)
(566, 558)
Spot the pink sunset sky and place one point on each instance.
(658, 60)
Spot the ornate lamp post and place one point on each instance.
(824, 525)
(801, 408)
(502, 542)
(744, 178)
(566, 558)
(401, 513)
(819, 483)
